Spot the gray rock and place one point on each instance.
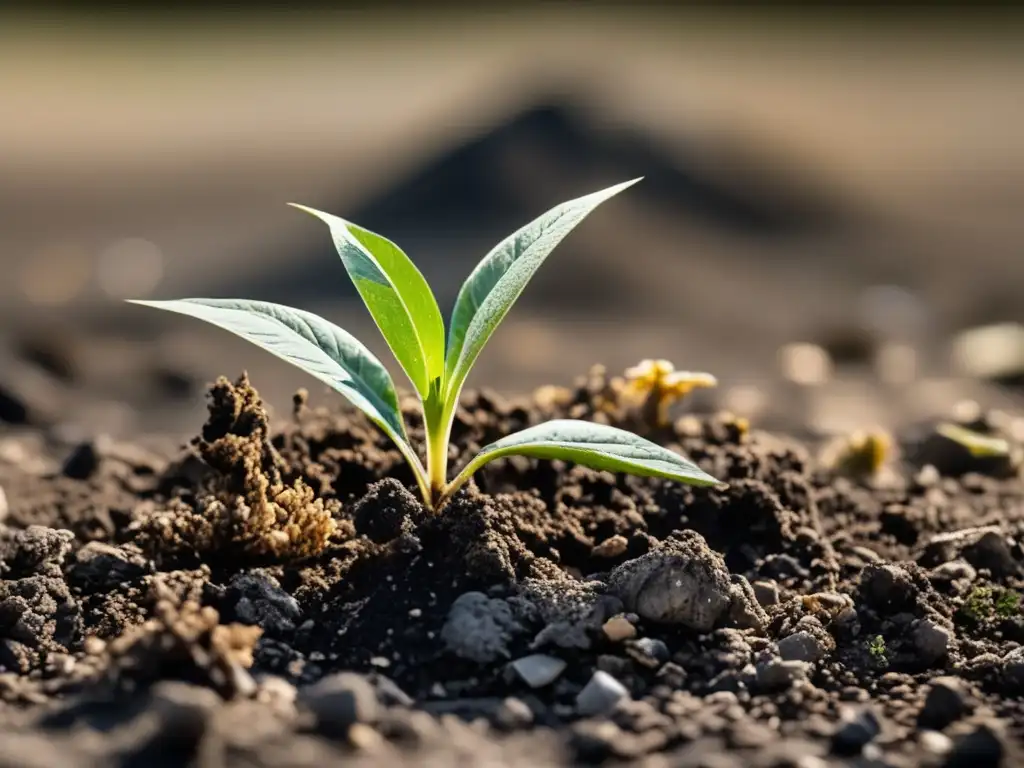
(601, 695)
(982, 547)
(931, 641)
(479, 628)
(259, 600)
(648, 652)
(801, 646)
(184, 709)
(99, 566)
(992, 551)
(855, 733)
(766, 592)
(888, 589)
(947, 701)
(687, 583)
(339, 701)
(777, 674)
(538, 670)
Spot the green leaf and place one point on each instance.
(593, 445)
(978, 445)
(397, 296)
(496, 282)
(311, 343)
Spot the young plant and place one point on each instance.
(407, 314)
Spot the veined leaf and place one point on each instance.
(593, 445)
(397, 296)
(311, 343)
(496, 282)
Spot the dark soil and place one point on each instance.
(275, 595)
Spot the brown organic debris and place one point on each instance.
(248, 508)
(184, 640)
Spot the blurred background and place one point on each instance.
(830, 221)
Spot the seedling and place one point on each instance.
(878, 652)
(407, 314)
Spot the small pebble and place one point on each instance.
(947, 701)
(801, 646)
(931, 640)
(766, 592)
(600, 695)
(648, 652)
(981, 748)
(513, 713)
(339, 701)
(776, 674)
(618, 628)
(856, 733)
(538, 670)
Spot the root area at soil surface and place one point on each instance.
(274, 594)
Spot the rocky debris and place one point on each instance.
(931, 641)
(538, 669)
(983, 747)
(480, 628)
(573, 613)
(857, 731)
(82, 462)
(946, 702)
(685, 582)
(777, 674)
(889, 589)
(98, 566)
(648, 652)
(184, 641)
(340, 701)
(802, 646)
(256, 598)
(766, 592)
(601, 695)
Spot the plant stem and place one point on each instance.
(437, 422)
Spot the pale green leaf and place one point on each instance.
(311, 343)
(597, 446)
(397, 296)
(492, 288)
(978, 445)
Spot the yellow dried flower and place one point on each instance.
(658, 384)
(861, 454)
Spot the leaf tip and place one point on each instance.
(311, 211)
